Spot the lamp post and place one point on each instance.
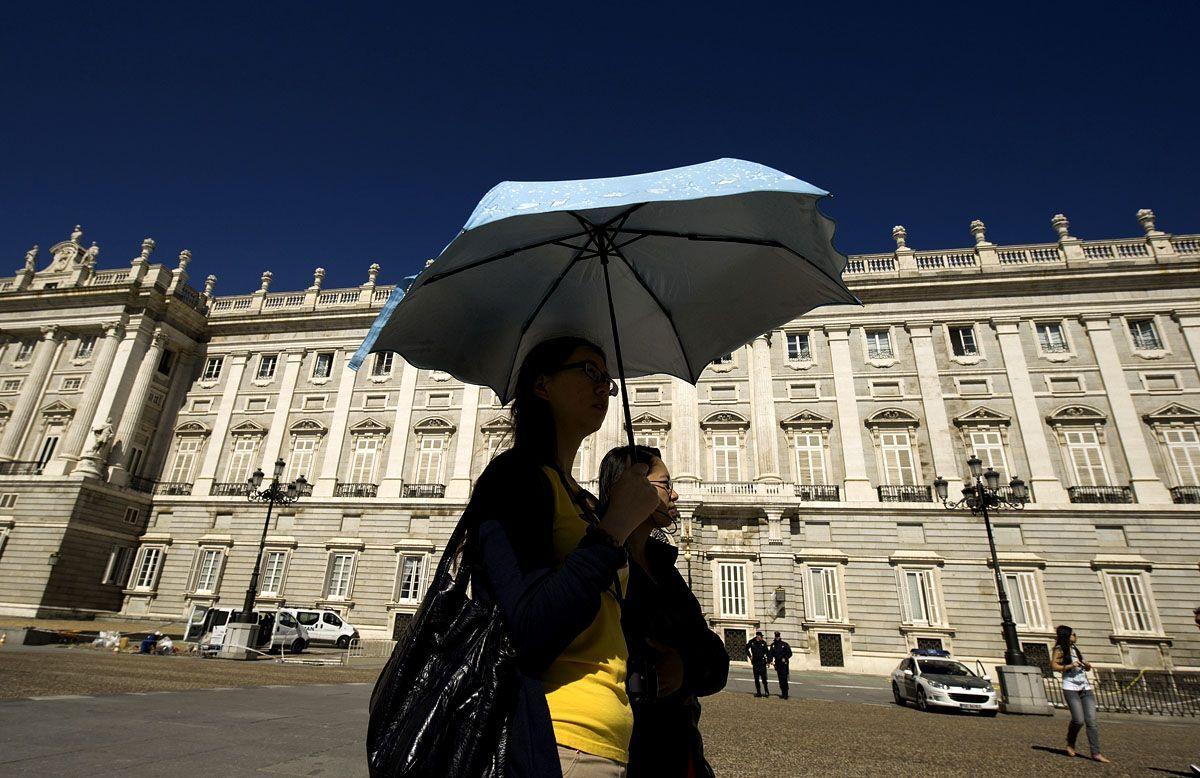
(274, 493)
(979, 494)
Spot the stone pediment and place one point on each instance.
(806, 420)
(58, 409)
(434, 425)
(192, 428)
(982, 416)
(5, 410)
(725, 420)
(248, 427)
(648, 421)
(893, 417)
(369, 426)
(1174, 413)
(1077, 414)
(307, 427)
(500, 425)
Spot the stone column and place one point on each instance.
(856, 486)
(762, 406)
(393, 474)
(944, 460)
(1046, 486)
(1189, 322)
(135, 404)
(85, 414)
(216, 442)
(283, 404)
(685, 432)
(1147, 484)
(327, 482)
(611, 434)
(181, 381)
(31, 394)
(460, 481)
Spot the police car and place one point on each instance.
(929, 678)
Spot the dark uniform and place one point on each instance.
(780, 653)
(759, 653)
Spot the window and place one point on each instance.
(648, 439)
(266, 366)
(988, 445)
(732, 576)
(719, 394)
(315, 403)
(212, 368)
(886, 389)
(301, 460)
(1051, 337)
(879, 344)
(362, 463)
(323, 365)
(1145, 335)
(429, 459)
(241, 463)
(724, 359)
(727, 466)
(12, 384)
(810, 458)
(132, 516)
(1024, 599)
(411, 578)
(87, 343)
(202, 405)
(8, 499)
(185, 460)
(383, 364)
(438, 400)
(1087, 458)
(1130, 603)
(898, 465)
(25, 350)
(149, 563)
(256, 404)
(962, 341)
(46, 452)
(375, 402)
(208, 570)
(805, 391)
(116, 572)
(1161, 382)
(580, 469)
(822, 595)
(1065, 385)
(71, 384)
(165, 362)
(271, 577)
(646, 394)
(338, 579)
(1183, 446)
(797, 346)
(973, 386)
(919, 597)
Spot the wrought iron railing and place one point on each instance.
(1100, 494)
(1185, 495)
(140, 483)
(356, 490)
(173, 488)
(904, 493)
(424, 490)
(1154, 692)
(230, 489)
(818, 492)
(733, 487)
(20, 468)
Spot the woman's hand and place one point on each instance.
(631, 500)
(669, 667)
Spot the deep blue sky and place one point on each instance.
(283, 137)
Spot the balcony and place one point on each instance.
(905, 493)
(227, 489)
(818, 493)
(1185, 495)
(1100, 494)
(356, 490)
(20, 468)
(733, 487)
(423, 490)
(141, 484)
(173, 488)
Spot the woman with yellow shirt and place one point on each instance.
(559, 571)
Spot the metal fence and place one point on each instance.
(1155, 692)
(370, 649)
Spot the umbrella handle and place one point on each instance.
(601, 244)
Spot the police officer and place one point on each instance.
(759, 652)
(780, 652)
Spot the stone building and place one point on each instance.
(133, 408)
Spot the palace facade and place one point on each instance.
(134, 407)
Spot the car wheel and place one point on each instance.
(896, 695)
(298, 645)
(343, 642)
(922, 703)
(991, 714)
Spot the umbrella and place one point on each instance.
(665, 271)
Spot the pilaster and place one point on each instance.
(856, 486)
(944, 460)
(216, 442)
(327, 482)
(273, 445)
(31, 396)
(393, 475)
(460, 481)
(763, 419)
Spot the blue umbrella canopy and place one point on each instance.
(665, 271)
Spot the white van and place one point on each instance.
(323, 626)
(276, 631)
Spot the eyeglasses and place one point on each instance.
(666, 485)
(595, 374)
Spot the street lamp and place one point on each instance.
(274, 493)
(980, 492)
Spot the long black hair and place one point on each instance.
(532, 418)
(615, 463)
(1062, 641)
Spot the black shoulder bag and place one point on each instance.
(443, 704)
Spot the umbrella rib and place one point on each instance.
(730, 239)
(502, 255)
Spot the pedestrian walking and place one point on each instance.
(674, 657)
(781, 654)
(758, 651)
(1077, 691)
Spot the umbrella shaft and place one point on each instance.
(602, 246)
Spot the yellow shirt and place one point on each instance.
(585, 685)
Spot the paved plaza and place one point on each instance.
(180, 716)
